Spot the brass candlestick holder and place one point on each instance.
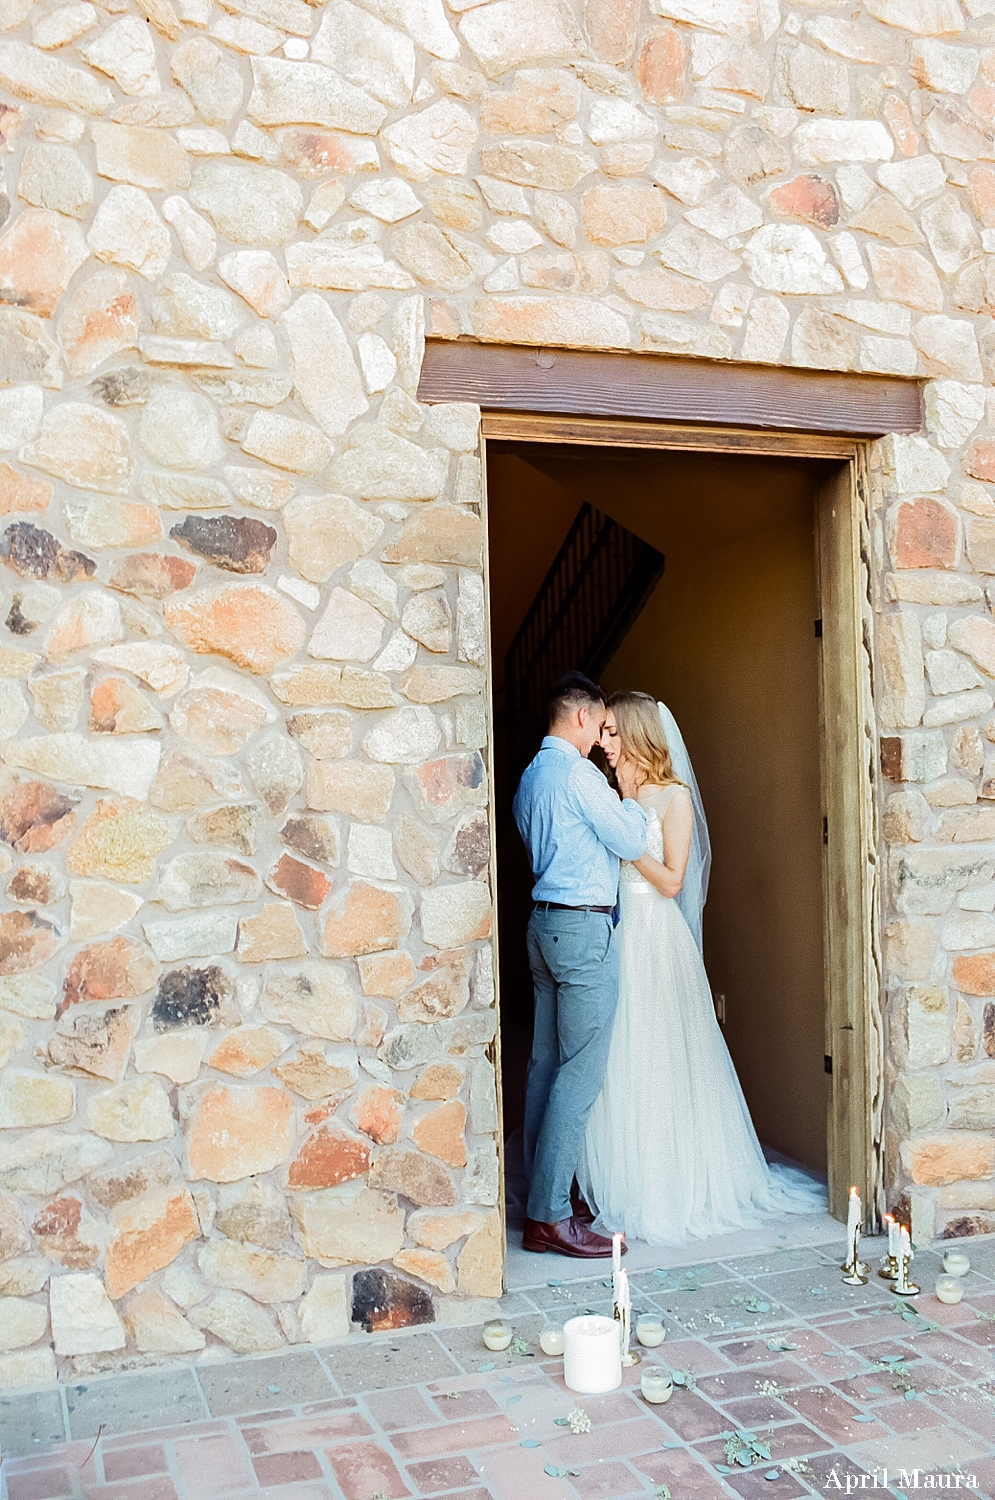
(903, 1287)
(888, 1269)
(855, 1272)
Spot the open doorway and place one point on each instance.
(726, 631)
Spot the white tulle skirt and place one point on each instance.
(670, 1153)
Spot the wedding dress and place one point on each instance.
(670, 1153)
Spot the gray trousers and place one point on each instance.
(574, 963)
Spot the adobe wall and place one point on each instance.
(245, 982)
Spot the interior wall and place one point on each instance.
(728, 640)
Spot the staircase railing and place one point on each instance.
(598, 584)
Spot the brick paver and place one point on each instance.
(827, 1386)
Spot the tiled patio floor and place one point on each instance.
(832, 1380)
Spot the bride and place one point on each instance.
(670, 1153)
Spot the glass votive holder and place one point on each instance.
(497, 1334)
(949, 1288)
(551, 1340)
(656, 1384)
(650, 1331)
(956, 1263)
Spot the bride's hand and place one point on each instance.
(625, 776)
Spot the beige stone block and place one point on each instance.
(28, 1367)
(437, 1231)
(120, 841)
(348, 1225)
(933, 1161)
(54, 177)
(324, 1312)
(240, 1323)
(316, 1074)
(135, 1111)
(350, 786)
(255, 1213)
(43, 1162)
(21, 1322)
(910, 949)
(315, 999)
(917, 1103)
(927, 1026)
(127, 231)
(210, 77)
(158, 1328)
(263, 1275)
(83, 1319)
(514, 34)
(456, 914)
(30, 1099)
(177, 1055)
(31, 76)
(480, 1263)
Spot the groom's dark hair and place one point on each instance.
(572, 691)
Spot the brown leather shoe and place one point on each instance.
(581, 1209)
(568, 1237)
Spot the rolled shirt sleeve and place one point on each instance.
(620, 825)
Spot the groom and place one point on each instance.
(576, 831)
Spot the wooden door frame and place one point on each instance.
(848, 737)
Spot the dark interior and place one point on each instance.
(727, 638)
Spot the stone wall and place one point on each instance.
(246, 992)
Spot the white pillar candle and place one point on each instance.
(853, 1218)
(956, 1263)
(904, 1243)
(892, 1224)
(551, 1341)
(949, 1288)
(592, 1355)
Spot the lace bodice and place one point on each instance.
(654, 847)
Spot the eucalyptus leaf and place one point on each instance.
(528, 1443)
(773, 1474)
(863, 1416)
(484, 1369)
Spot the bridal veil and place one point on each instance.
(691, 897)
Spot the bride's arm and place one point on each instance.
(667, 876)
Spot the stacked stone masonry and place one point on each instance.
(246, 986)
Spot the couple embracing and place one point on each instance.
(635, 1121)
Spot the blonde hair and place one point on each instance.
(644, 744)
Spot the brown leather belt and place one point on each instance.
(559, 906)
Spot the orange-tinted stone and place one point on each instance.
(67, 1234)
(118, 707)
(898, 118)
(368, 920)
(35, 817)
(430, 1265)
(236, 1132)
(146, 1236)
(982, 182)
(441, 1133)
(151, 575)
(329, 1157)
(19, 493)
(439, 1081)
(298, 881)
(26, 942)
(974, 974)
(924, 534)
(249, 623)
(626, 215)
(38, 257)
(272, 933)
(378, 1113)
(534, 106)
(661, 67)
(481, 1262)
(247, 1050)
(120, 969)
(386, 975)
(959, 1156)
(980, 461)
(807, 197)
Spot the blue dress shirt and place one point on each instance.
(575, 828)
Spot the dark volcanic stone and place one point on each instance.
(127, 387)
(151, 575)
(956, 1229)
(469, 852)
(16, 623)
(30, 550)
(382, 1300)
(190, 997)
(989, 1030)
(313, 836)
(237, 543)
